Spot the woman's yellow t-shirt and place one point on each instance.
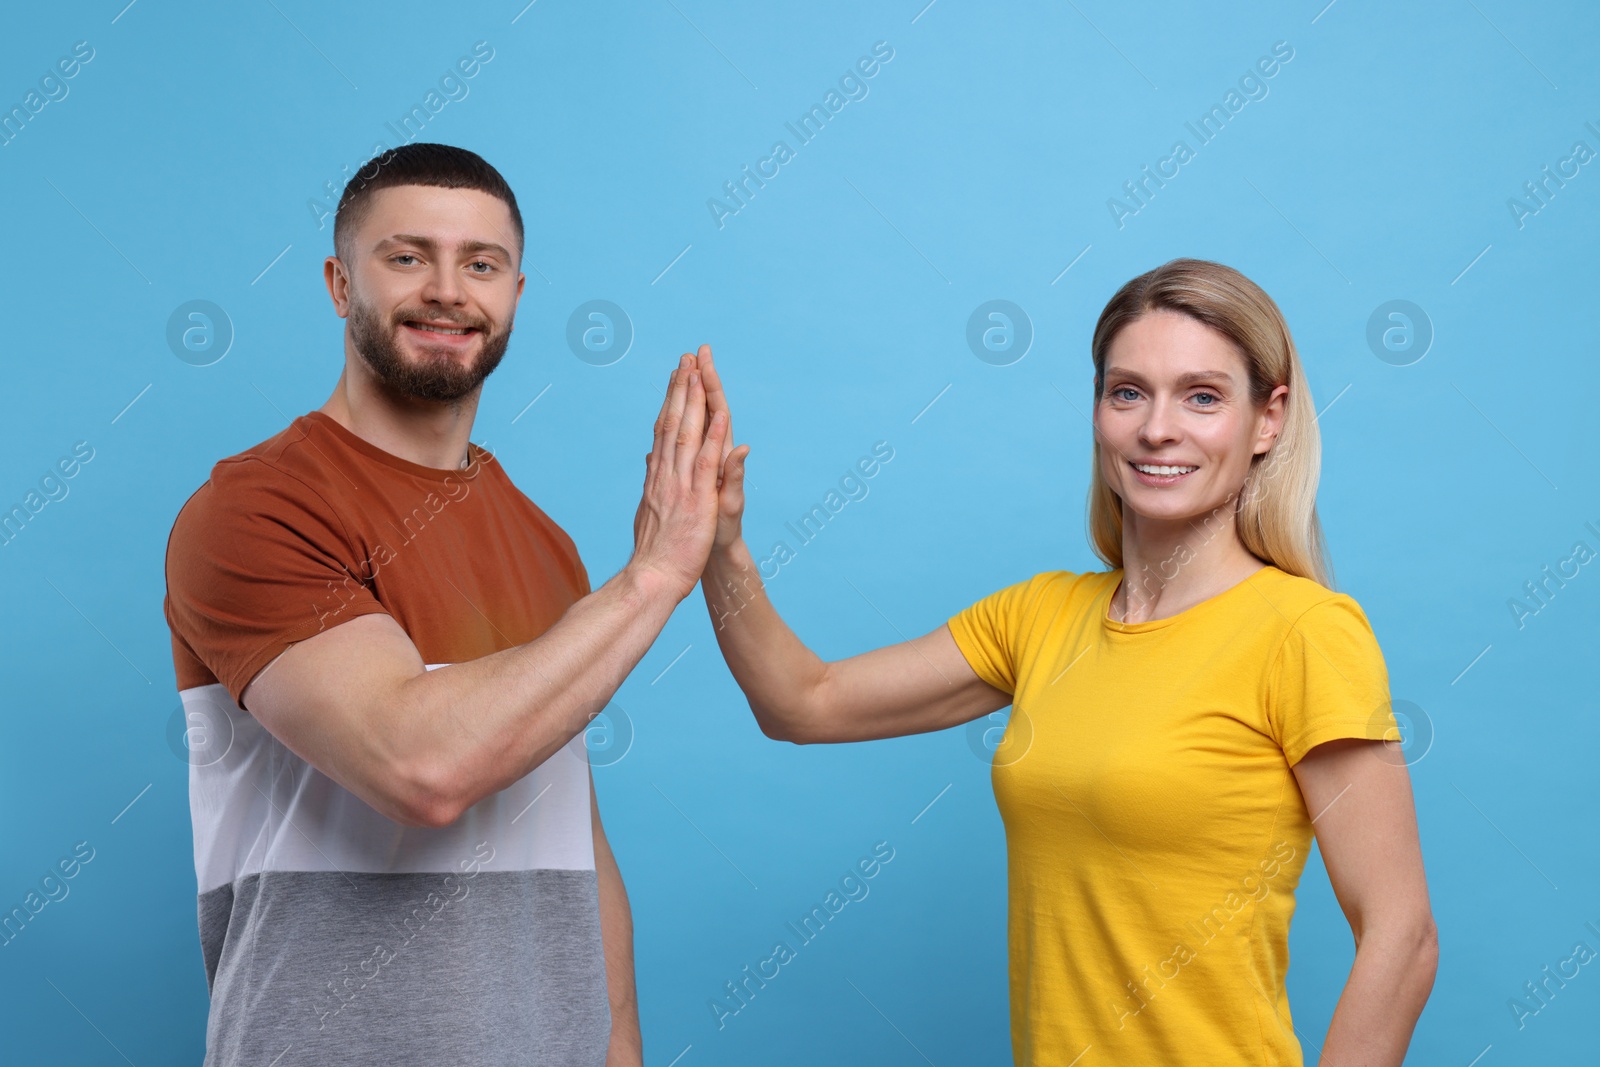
(1155, 831)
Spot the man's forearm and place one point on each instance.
(1382, 1000)
(480, 725)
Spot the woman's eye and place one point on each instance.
(1213, 396)
(1124, 389)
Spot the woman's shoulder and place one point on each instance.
(1302, 603)
(1068, 585)
(1045, 591)
(1055, 596)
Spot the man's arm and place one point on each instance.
(616, 930)
(421, 746)
(1359, 793)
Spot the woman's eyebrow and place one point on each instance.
(1191, 378)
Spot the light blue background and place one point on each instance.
(1378, 167)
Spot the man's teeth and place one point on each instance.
(437, 329)
(1149, 469)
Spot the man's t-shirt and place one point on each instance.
(1155, 830)
(330, 933)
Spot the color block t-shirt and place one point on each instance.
(1155, 830)
(330, 933)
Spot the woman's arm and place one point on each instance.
(909, 688)
(1359, 795)
(616, 936)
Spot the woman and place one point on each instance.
(1179, 721)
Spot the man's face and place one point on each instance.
(426, 262)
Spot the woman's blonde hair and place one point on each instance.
(1275, 512)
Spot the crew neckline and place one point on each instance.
(1103, 604)
(353, 440)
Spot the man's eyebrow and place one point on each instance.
(1192, 378)
(428, 244)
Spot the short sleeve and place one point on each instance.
(257, 561)
(1329, 681)
(990, 632)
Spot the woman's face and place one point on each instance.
(1176, 395)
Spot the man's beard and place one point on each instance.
(433, 378)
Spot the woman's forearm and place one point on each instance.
(616, 934)
(1378, 1010)
(780, 676)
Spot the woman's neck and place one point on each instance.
(1170, 567)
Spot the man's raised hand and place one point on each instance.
(677, 518)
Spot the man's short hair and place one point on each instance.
(442, 165)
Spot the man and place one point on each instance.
(395, 652)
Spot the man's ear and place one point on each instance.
(338, 282)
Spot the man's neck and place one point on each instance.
(430, 433)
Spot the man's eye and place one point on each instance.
(482, 263)
(402, 255)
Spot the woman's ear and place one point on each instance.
(1272, 416)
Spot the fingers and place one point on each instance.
(672, 416)
(666, 401)
(661, 416)
(708, 459)
(716, 399)
(733, 472)
(730, 496)
(692, 428)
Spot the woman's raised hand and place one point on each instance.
(730, 485)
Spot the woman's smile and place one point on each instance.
(1161, 474)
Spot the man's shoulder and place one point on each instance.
(286, 469)
(296, 452)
